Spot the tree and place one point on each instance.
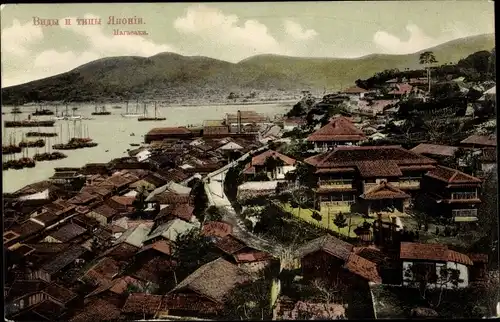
(200, 199)
(424, 277)
(488, 211)
(271, 164)
(340, 221)
(139, 202)
(213, 214)
(251, 301)
(427, 58)
(306, 176)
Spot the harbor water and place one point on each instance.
(111, 132)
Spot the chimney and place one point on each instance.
(238, 116)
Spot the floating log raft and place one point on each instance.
(41, 134)
(19, 164)
(29, 123)
(49, 156)
(32, 144)
(11, 149)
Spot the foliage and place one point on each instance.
(296, 111)
(305, 175)
(261, 176)
(271, 164)
(425, 278)
(340, 221)
(232, 180)
(488, 213)
(213, 214)
(139, 202)
(192, 250)
(249, 301)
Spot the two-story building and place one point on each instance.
(368, 178)
(339, 131)
(283, 165)
(451, 193)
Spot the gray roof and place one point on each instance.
(171, 229)
(171, 186)
(134, 236)
(64, 259)
(327, 243)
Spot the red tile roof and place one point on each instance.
(183, 211)
(339, 129)
(433, 252)
(435, 149)
(154, 269)
(189, 302)
(350, 156)
(105, 210)
(161, 246)
(97, 310)
(102, 272)
(261, 158)
(400, 89)
(230, 244)
(122, 200)
(378, 168)
(252, 256)
(82, 198)
(384, 191)
(142, 303)
(121, 252)
(68, 232)
(217, 229)
(451, 176)
(363, 267)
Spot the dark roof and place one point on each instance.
(451, 176)
(21, 288)
(60, 293)
(98, 190)
(489, 155)
(47, 218)
(142, 303)
(49, 248)
(36, 188)
(215, 130)
(485, 140)
(161, 246)
(434, 252)
(384, 191)
(47, 310)
(102, 272)
(339, 129)
(27, 228)
(105, 210)
(350, 156)
(189, 302)
(216, 228)
(214, 280)
(155, 179)
(252, 256)
(230, 244)
(168, 197)
(68, 232)
(121, 252)
(97, 310)
(363, 267)
(82, 198)
(168, 131)
(176, 175)
(64, 259)
(183, 211)
(261, 158)
(328, 244)
(153, 269)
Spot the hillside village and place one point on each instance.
(377, 201)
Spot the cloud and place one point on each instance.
(296, 31)
(17, 39)
(417, 40)
(233, 39)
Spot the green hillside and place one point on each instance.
(172, 75)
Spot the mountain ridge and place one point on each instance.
(173, 75)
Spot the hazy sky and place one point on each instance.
(231, 31)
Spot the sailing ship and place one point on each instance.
(42, 111)
(32, 144)
(76, 142)
(116, 107)
(100, 111)
(146, 118)
(24, 162)
(12, 148)
(48, 155)
(127, 114)
(41, 134)
(15, 110)
(29, 123)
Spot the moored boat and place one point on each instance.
(32, 144)
(41, 134)
(49, 156)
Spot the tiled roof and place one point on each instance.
(64, 259)
(486, 140)
(60, 293)
(349, 156)
(170, 230)
(153, 269)
(452, 176)
(21, 288)
(169, 130)
(68, 232)
(214, 280)
(97, 310)
(189, 302)
(401, 89)
(378, 168)
(354, 90)
(384, 191)
(82, 198)
(339, 129)
(433, 252)
(230, 244)
(47, 310)
(47, 218)
(99, 190)
(124, 201)
(142, 303)
(328, 244)
(102, 272)
(161, 246)
(252, 256)
(121, 252)
(105, 210)
(183, 211)
(261, 158)
(217, 229)
(27, 228)
(435, 149)
(363, 267)
(372, 254)
(478, 258)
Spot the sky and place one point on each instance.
(229, 31)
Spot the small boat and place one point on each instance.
(29, 123)
(135, 144)
(32, 144)
(16, 110)
(101, 111)
(49, 156)
(106, 151)
(132, 134)
(41, 134)
(116, 107)
(130, 115)
(11, 149)
(42, 111)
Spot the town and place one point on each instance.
(378, 201)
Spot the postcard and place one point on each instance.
(250, 161)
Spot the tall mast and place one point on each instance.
(136, 106)
(126, 108)
(155, 109)
(67, 111)
(144, 109)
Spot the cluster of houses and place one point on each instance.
(76, 250)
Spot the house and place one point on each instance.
(207, 287)
(62, 261)
(216, 229)
(333, 260)
(135, 236)
(242, 118)
(169, 231)
(102, 272)
(291, 123)
(480, 141)
(367, 178)
(83, 199)
(431, 259)
(340, 131)
(354, 92)
(435, 150)
(97, 310)
(282, 165)
(104, 214)
(65, 234)
(452, 194)
(46, 310)
(141, 306)
(401, 90)
(159, 134)
(182, 211)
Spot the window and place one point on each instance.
(463, 195)
(464, 212)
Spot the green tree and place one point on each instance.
(213, 214)
(270, 164)
(340, 221)
(306, 175)
(200, 199)
(427, 58)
